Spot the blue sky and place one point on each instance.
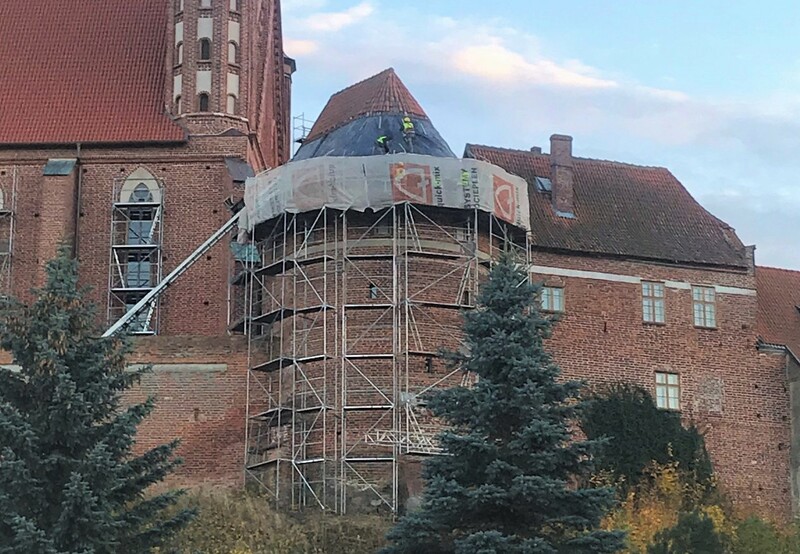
(709, 89)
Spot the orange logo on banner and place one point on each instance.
(411, 183)
(505, 200)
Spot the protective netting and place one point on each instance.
(376, 182)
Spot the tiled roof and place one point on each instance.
(779, 307)
(621, 209)
(80, 71)
(382, 93)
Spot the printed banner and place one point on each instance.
(376, 182)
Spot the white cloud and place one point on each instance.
(289, 6)
(336, 21)
(494, 62)
(488, 82)
(300, 48)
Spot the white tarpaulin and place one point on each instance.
(376, 182)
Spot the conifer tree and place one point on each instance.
(69, 481)
(507, 480)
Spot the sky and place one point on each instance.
(708, 89)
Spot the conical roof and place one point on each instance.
(355, 117)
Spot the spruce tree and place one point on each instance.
(508, 478)
(69, 481)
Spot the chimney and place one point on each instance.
(561, 175)
(536, 149)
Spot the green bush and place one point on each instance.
(756, 536)
(638, 433)
(694, 533)
(233, 522)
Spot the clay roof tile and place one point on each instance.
(381, 93)
(622, 210)
(89, 72)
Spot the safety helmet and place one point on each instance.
(407, 119)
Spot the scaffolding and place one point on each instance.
(8, 199)
(348, 314)
(135, 266)
(301, 127)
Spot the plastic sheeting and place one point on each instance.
(359, 138)
(377, 182)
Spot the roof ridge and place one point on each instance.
(383, 93)
(389, 70)
(783, 269)
(579, 158)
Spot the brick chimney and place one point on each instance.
(561, 175)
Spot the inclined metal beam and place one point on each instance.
(172, 277)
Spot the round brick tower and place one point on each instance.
(365, 263)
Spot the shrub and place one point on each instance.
(638, 433)
(694, 533)
(234, 522)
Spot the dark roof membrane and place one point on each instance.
(359, 138)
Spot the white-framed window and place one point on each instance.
(653, 302)
(234, 5)
(179, 53)
(552, 299)
(704, 304)
(668, 391)
(231, 105)
(205, 3)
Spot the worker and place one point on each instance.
(408, 126)
(383, 142)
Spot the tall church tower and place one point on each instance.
(228, 74)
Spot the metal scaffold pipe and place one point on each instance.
(152, 295)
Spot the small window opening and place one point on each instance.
(179, 53)
(373, 291)
(205, 3)
(234, 5)
(231, 104)
(543, 184)
(178, 108)
(467, 298)
(205, 49)
(203, 102)
(429, 364)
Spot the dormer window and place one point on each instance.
(205, 49)
(203, 102)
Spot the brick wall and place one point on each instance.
(737, 395)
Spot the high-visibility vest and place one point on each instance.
(408, 125)
(382, 139)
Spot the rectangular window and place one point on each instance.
(653, 302)
(705, 308)
(552, 299)
(668, 391)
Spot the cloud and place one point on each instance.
(299, 47)
(489, 82)
(494, 62)
(336, 21)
